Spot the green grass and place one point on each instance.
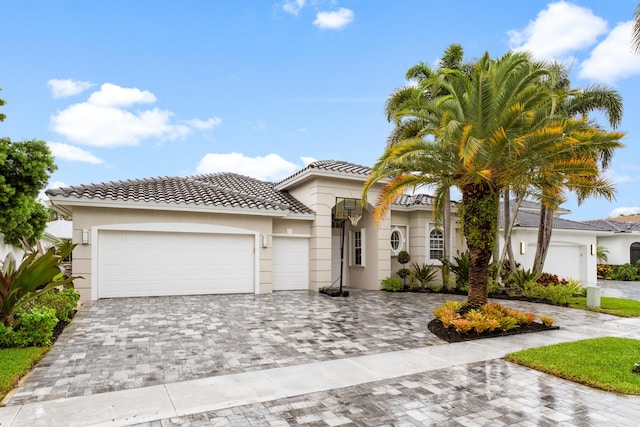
(15, 363)
(603, 363)
(616, 306)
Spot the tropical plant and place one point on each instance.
(626, 272)
(392, 284)
(573, 103)
(424, 273)
(490, 130)
(602, 253)
(460, 268)
(37, 273)
(404, 258)
(520, 277)
(409, 98)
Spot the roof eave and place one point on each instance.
(64, 203)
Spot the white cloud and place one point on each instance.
(334, 20)
(74, 154)
(205, 124)
(307, 160)
(557, 31)
(624, 211)
(62, 88)
(613, 58)
(104, 121)
(111, 95)
(293, 6)
(271, 167)
(259, 125)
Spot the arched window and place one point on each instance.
(634, 253)
(436, 244)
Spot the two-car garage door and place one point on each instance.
(150, 263)
(155, 263)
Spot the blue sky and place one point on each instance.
(134, 89)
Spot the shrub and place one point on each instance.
(436, 288)
(404, 272)
(403, 257)
(424, 273)
(604, 271)
(392, 284)
(547, 321)
(625, 272)
(7, 338)
(547, 279)
(575, 286)
(461, 268)
(63, 302)
(38, 272)
(555, 294)
(36, 328)
(521, 277)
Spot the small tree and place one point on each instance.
(25, 168)
(403, 258)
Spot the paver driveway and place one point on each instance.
(115, 344)
(132, 343)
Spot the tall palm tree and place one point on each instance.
(636, 29)
(403, 107)
(485, 132)
(573, 102)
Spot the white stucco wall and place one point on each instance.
(619, 245)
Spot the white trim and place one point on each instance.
(404, 238)
(171, 227)
(303, 236)
(120, 204)
(431, 227)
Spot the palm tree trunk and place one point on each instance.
(544, 238)
(480, 205)
(446, 225)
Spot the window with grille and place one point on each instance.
(436, 244)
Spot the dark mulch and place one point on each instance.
(450, 335)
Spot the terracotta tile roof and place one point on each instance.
(220, 190)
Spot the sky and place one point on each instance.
(137, 89)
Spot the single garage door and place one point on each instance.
(290, 263)
(149, 263)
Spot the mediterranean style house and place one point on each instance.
(227, 233)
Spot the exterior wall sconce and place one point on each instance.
(592, 249)
(523, 246)
(85, 236)
(265, 240)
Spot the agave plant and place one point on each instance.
(425, 273)
(38, 272)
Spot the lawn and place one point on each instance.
(604, 363)
(15, 363)
(616, 306)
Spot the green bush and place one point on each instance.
(7, 336)
(461, 268)
(38, 272)
(436, 288)
(403, 257)
(36, 328)
(393, 284)
(520, 278)
(556, 294)
(404, 272)
(424, 273)
(63, 302)
(625, 272)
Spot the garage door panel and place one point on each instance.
(290, 266)
(161, 263)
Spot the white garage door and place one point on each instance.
(149, 263)
(290, 263)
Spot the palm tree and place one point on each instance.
(407, 100)
(574, 102)
(485, 132)
(636, 29)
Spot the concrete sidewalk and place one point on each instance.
(182, 399)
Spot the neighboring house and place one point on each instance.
(572, 251)
(227, 233)
(54, 233)
(622, 239)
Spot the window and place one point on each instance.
(396, 241)
(634, 253)
(436, 244)
(357, 254)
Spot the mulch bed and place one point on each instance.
(450, 335)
